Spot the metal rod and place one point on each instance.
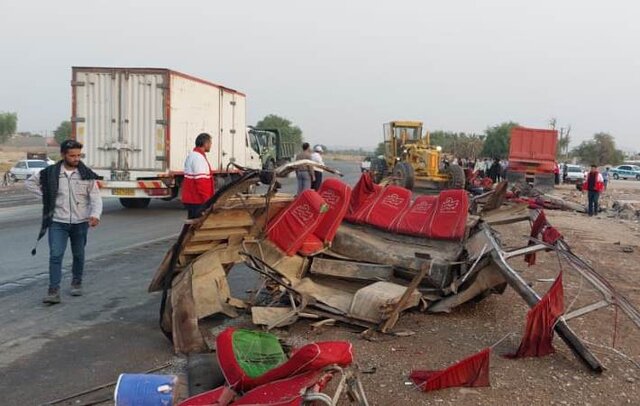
(531, 298)
(586, 309)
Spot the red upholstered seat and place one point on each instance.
(311, 357)
(289, 229)
(416, 219)
(387, 207)
(311, 245)
(449, 220)
(362, 196)
(337, 195)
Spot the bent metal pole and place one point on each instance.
(531, 297)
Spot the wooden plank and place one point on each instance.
(351, 270)
(227, 219)
(507, 220)
(199, 248)
(256, 201)
(395, 313)
(218, 233)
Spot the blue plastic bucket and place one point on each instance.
(145, 390)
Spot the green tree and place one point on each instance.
(380, 150)
(496, 143)
(8, 125)
(461, 145)
(289, 132)
(600, 150)
(63, 132)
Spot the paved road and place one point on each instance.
(47, 352)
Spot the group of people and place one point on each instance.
(495, 169)
(308, 176)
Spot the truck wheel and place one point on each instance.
(267, 174)
(403, 175)
(136, 203)
(457, 178)
(378, 170)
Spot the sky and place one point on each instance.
(340, 69)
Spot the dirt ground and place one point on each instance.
(441, 340)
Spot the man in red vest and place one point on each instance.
(198, 185)
(594, 185)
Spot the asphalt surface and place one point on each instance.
(47, 352)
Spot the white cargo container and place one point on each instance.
(138, 125)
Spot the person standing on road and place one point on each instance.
(316, 156)
(594, 185)
(304, 174)
(198, 185)
(71, 203)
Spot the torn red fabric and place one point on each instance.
(536, 229)
(551, 235)
(471, 372)
(362, 195)
(538, 335)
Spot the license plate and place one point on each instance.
(123, 192)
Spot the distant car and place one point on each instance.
(625, 172)
(26, 168)
(365, 165)
(575, 174)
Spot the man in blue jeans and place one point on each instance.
(71, 204)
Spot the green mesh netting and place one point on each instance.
(257, 352)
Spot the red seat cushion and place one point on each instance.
(362, 195)
(337, 195)
(284, 392)
(311, 245)
(311, 357)
(221, 396)
(449, 221)
(416, 220)
(387, 207)
(290, 228)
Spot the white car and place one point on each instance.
(26, 168)
(575, 174)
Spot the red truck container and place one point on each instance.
(532, 157)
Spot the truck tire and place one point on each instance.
(136, 203)
(457, 179)
(404, 175)
(378, 170)
(267, 174)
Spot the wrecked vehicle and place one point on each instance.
(359, 255)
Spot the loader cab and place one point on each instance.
(397, 134)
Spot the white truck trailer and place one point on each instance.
(138, 124)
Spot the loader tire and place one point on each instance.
(403, 175)
(136, 203)
(457, 179)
